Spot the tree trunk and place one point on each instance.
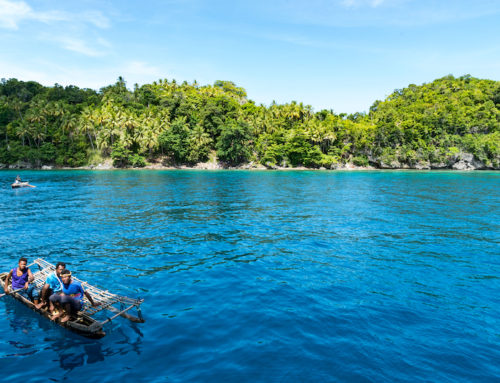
(91, 143)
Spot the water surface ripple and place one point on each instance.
(263, 276)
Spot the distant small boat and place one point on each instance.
(17, 185)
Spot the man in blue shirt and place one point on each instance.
(70, 300)
(53, 285)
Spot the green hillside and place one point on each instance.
(449, 123)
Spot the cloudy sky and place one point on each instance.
(336, 54)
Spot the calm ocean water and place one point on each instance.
(255, 276)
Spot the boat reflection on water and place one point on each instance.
(31, 334)
(76, 353)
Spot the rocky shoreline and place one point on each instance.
(461, 162)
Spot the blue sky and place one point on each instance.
(337, 54)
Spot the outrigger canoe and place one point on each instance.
(22, 185)
(85, 322)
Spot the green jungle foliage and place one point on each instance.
(431, 125)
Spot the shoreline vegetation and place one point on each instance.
(450, 123)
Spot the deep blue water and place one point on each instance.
(255, 276)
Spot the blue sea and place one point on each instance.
(262, 276)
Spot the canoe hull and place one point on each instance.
(20, 185)
(82, 325)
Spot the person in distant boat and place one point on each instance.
(18, 180)
(53, 285)
(70, 301)
(21, 277)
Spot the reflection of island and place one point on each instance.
(73, 350)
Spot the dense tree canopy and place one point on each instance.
(430, 125)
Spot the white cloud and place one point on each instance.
(79, 46)
(96, 18)
(13, 13)
(67, 29)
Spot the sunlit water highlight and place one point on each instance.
(263, 276)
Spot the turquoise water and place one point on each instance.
(263, 276)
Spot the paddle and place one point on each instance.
(28, 184)
(12, 292)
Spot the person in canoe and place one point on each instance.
(70, 301)
(20, 184)
(53, 285)
(21, 277)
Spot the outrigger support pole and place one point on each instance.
(122, 313)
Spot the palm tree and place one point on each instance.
(38, 134)
(140, 135)
(22, 131)
(151, 141)
(127, 140)
(36, 116)
(4, 105)
(18, 106)
(69, 124)
(105, 138)
(199, 137)
(87, 124)
(55, 109)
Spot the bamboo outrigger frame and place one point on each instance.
(83, 323)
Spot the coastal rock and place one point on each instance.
(253, 165)
(258, 166)
(47, 167)
(104, 166)
(466, 161)
(348, 166)
(21, 165)
(3, 166)
(211, 165)
(391, 165)
(250, 165)
(423, 165)
(462, 165)
(351, 166)
(478, 165)
(466, 165)
(439, 165)
(270, 165)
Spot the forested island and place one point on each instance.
(450, 123)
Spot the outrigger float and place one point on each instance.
(84, 322)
